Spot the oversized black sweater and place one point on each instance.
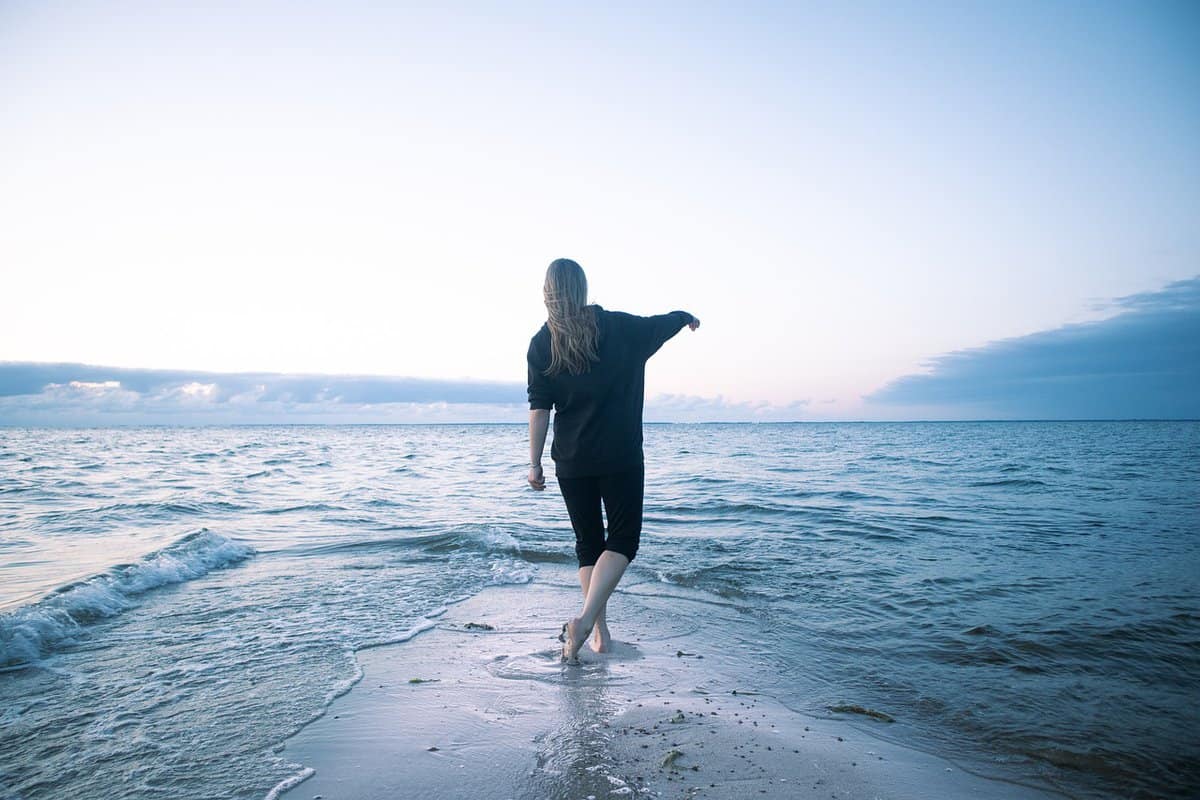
(598, 415)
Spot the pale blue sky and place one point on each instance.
(842, 195)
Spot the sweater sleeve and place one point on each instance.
(654, 331)
(539, 389)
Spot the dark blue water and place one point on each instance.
(1023, 597)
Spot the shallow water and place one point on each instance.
(1021, 596)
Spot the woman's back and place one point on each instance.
(598, 413)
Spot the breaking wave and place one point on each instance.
(31, 632)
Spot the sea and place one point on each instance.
(1022, 597)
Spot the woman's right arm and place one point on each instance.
(539, 423)
(541, 399)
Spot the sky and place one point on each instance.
(351, 206)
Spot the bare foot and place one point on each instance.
(602, 639)
(572, 641)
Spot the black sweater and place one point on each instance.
(598, 415)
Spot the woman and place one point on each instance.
(590, 366)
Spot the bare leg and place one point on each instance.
(602, 640)
(604, 578)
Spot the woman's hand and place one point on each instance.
(695, 323)
(536, 478)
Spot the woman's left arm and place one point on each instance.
(658, 329)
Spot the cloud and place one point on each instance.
(1144, 363)
(82, 394)
(25, 378)
(689, 408)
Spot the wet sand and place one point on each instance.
(480, 706)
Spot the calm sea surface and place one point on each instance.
(1022, 597)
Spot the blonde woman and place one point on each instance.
(589, 365)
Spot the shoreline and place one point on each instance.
(479, 704)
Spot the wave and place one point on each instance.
(498, 539)
(262, 473)
(31, 632)
(478, 538)
(171, 509)
(1012, 482)
(670, 512)
(302, 507)
(724, 579)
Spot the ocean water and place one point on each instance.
(1023, 597)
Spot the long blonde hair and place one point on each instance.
(572, 323)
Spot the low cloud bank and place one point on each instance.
(81, 394)
(1143, 363)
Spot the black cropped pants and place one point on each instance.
(621, 495)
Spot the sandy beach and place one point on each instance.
(480, 706)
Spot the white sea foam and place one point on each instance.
(290, 782)
(30, 632)
(419, 628)
(506, 572)
(500, 539)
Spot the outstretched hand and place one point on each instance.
(695, 323)
(537, 478)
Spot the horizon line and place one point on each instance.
(5, 426)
